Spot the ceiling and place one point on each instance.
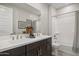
(59, 5)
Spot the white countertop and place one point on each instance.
(7, 43)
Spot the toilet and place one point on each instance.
(55, 48)
(55, 45)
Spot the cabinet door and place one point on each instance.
(46, 47)
(33, 52)
(49, 46)
(32, 49)
(20, 51)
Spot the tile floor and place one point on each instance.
(64, 51)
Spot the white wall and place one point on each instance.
(52, 12)
(43, 23)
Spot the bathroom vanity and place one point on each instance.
(39, 46)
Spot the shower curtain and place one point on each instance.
(76, 38)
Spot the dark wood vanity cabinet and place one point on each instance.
(40, 48)
(19, 51)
